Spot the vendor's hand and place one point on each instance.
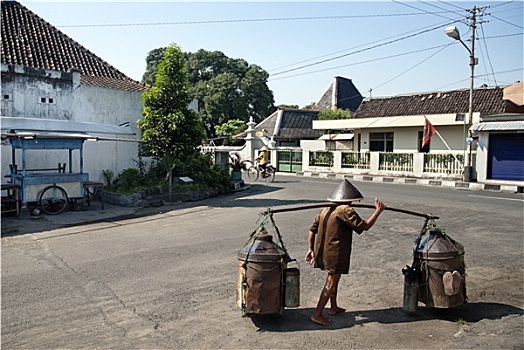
(379, 206)
(310, 257)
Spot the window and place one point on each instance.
(48, 100)
(6, 97)
(426, 148)
(381, 142)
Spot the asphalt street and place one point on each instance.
(166, 277)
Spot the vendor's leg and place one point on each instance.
(335, 309)
(325, 295)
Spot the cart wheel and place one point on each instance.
(53, 200)
(252, 173)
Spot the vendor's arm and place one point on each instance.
(369, 222)
(310, 256)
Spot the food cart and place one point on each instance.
(52, 188)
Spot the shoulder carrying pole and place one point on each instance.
(355, 205)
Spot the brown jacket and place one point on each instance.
(334, 228)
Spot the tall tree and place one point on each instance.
(171, 132)
(226, 88)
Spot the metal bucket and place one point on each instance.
(261, 267)
(292, 287)
(411, 289)
(442, 270)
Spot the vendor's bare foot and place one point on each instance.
(321, 320)
(337, 310)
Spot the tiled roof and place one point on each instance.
(347, 95)
(296, 124)
(485, 101)
(29, 40)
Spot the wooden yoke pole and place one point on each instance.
(355, 205)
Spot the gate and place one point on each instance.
(289, 160)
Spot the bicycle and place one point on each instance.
(255, 171)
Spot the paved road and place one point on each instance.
(167, 280)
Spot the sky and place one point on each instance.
(386, 48)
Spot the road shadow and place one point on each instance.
(293, 320)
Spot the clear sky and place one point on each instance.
(388, 47)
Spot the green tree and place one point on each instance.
(230, 128)
(329, 114)
(170, 131)
(153, 59)
(226, 88)
(288, 106)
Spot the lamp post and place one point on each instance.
(453, 32)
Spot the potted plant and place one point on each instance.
(237, 164)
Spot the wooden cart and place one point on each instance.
(53, 189)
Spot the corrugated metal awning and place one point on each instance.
(48, 128)
(498, 126)
(55, 125)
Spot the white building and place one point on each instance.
(47, 75)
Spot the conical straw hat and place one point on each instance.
(345, 192)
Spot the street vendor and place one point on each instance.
(330, 239)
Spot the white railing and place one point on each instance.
(443, 163)
(355, 160)
(389, 161)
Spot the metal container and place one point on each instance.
(292, 287)
(261, 267)
(440, 260)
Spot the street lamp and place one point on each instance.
(453, 32)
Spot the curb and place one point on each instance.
(421, 182)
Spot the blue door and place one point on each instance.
(506, 157)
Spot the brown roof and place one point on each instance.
(485, 101)
(29, 40)
(296, 124)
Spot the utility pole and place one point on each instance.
(453, 32)
(468, 168)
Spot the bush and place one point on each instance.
(199, 168)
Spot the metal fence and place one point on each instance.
(356, 160)
(389, 161)
(321, 158)
(443, 163)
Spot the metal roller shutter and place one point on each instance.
(506, 157)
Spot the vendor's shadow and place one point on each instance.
(292, 320)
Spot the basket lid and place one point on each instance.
(263, 249)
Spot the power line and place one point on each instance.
(487, 53)
(358, 51)
(426, 12)
(411, 68)
(361, 62)
(236, 20)
(382, 58)
(512, 24)
(450, 4)
(480, 76)
(355, 47)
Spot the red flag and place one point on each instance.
(429, 130)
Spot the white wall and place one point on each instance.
(406, 139)
(113, 107)
(26, 87)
